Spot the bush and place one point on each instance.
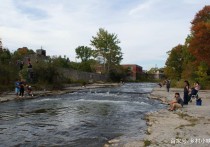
(8, 75)
(47, 76)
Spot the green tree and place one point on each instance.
(84, 53)
(174, 63)
(107, 45)
(8, 70)
(5, 56)
(153, 70)
(188, 66)
(60, 62)
(202, 72)
(46, 72)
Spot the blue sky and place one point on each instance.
(147, 29)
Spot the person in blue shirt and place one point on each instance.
(17, 87)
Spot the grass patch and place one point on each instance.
(193, 120)
(183, 115)
(147, 143)
(188, 125)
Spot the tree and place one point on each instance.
(107, 46)
(5, 56)
(174, 62)
(199, 44)
(191, 61)
(60, 62)
(153, 70)
(23, 51)
(84, 53)
(202, 72)
(188, 65)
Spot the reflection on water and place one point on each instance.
(85, 118)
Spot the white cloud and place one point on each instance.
(142, 7)
(147, 28)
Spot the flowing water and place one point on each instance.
(87, 118)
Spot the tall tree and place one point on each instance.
(107, 45)
(199, 44)
(174, 62)
(84, 53)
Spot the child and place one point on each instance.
(29, 90)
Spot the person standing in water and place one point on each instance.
(22, 88)
(17, 87)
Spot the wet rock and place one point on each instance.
(114, 141)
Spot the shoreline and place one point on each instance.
(10, 96)
(184, 127)
(164, 128)
(189, 126)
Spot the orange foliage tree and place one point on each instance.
(199, 44)
(22, 51)
(191, 61)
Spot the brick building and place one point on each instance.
(133, 71)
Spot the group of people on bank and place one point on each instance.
(22, 89)
(189, 93)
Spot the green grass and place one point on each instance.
(187, 125)
(147, 143)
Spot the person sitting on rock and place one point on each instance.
(176, 103)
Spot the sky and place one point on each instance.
(147, 29)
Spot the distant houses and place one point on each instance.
(159, 75)
(41, 52)
(134, 71)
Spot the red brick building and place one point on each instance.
(133, 71)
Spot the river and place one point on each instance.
(89, 117)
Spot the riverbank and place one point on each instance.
(9, 96)
(189, 126)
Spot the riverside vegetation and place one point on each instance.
(106, 53)
(191, 61)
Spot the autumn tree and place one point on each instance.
(191, 60)
(199, 44)
(23, 51)
(107, 45)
